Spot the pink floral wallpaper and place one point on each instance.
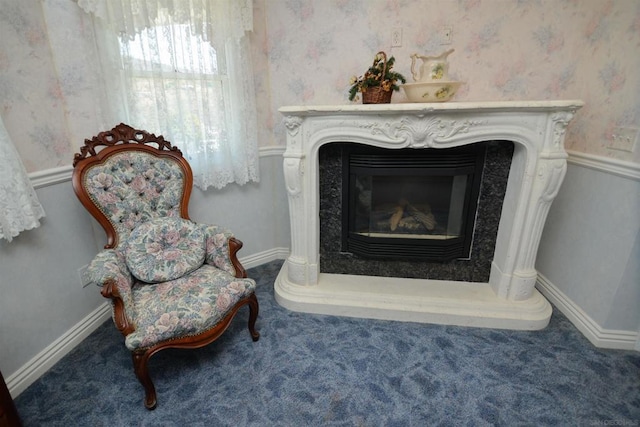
(504, 50)
(305, 51)
(31, 102)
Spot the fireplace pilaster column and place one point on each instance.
(549, 177)
(551, 167)
(302, 268)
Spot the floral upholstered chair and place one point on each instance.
(172, 283)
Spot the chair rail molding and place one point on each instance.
(62, 174)
(51, 176)
(608, 165)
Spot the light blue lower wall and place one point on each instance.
(589, 255)
(258, 214)
(42, 296)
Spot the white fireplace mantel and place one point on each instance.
(509, 300)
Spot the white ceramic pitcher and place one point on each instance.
(432, 67)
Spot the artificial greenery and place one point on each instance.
(374, 77)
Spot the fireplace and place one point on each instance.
(410, 204)
(508, 298)
(492, 158)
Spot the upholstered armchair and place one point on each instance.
(172, 283)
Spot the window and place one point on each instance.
(183, 69)
(169, 63)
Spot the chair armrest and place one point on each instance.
(222, 250)
(109, 270)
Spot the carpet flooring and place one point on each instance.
(315, 370)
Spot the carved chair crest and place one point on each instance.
(122, 134)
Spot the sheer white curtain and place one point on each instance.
(183, 69)
(19, 206)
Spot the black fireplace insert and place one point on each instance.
(410, 204)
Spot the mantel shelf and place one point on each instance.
(416, 108)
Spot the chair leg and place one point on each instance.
(140, 360)
(254, 308)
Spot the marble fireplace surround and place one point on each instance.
(509, 300)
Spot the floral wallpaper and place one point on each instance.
(504, 50)
(305, 51)
(31, 102)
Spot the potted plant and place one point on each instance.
(378, 83)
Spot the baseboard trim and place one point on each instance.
(598, 336)
(43, 361)
(264, 257)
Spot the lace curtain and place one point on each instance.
(183, 69)
(19, 206)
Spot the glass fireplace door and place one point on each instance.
(411, 203)
(411, 207)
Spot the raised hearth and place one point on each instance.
(509, 298)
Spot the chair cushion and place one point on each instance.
(186, 306)
(165, 249)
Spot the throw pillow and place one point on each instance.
(165, 249)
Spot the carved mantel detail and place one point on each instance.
(420, 131)
(561, 121)
(537, 129)
(293, 125)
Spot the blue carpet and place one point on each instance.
(314, 370)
